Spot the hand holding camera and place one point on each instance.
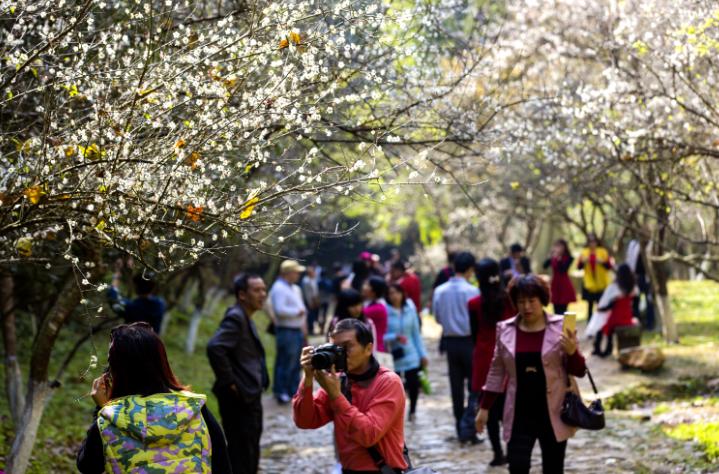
(320, 363)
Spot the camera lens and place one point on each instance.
(322, 361)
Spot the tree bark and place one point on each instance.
(39, 390)
(13, 374)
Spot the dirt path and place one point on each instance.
(627, 445)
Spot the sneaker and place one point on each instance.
(498, 461)
(283, 399)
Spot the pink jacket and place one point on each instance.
(554, 360)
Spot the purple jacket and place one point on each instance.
(554, 360)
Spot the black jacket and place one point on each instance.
(237, 356)
(506, 264)
(91, 457)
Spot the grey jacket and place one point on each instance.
(237, 356)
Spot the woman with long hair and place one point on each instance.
(404, 341)
(533, 359)
(349, 305)
(617, 301)
(375, 309)
(146, 419)
(561, 287)
(485, 311)
(596, 263)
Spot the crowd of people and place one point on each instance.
(503, 350)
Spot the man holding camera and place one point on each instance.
(366, 402)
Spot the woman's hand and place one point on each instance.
(569, 342)
(424, 362)
(481, 420)
(100, 390)
(330, 381)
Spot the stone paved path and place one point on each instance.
(627, 445)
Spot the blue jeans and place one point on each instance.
(287, 361)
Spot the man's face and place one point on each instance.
(357, 355)
(395, 273)
(255, 296)
(292, 276)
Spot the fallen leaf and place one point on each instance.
(34, 193)
(249, 207)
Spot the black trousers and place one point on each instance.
(411, 386)
(519, 448)
(459, 361)
(242, 423)
(560, 308)
(495, 417)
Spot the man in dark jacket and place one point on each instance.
(515, 264)
(238, 359)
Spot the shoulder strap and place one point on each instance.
(589, 374)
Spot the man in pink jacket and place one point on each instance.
(375, 412)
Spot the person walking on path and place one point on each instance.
(533, 358)
(291, 329)
(561, 288)
(145, 307)
(349, 305)
(373, 292)
(311, 295)
(596, 263)
(238, 359)
(404, 341)
(616, 303)
(451, 312)
(366, 404)
(146, 420)
(409, 282)
(485, 311)
(515, 264)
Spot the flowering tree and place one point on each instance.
(167, 130)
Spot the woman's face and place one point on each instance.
(355, 311)
(530, 308)
(395, 297)
(558, 249)
(367, 292)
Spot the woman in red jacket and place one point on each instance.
(562, 289)
(491, 306)
(619, 304)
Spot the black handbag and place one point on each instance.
(576, 413)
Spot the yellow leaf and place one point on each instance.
(101, 225)
(514, 184)
(24, 246)
(249, 207)
(91, 152)
(180, 143)
(34, 193)
(295, 37)
(70, 151)
(284, 43)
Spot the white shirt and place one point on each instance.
(287, 304)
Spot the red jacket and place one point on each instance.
(562, 290)
(377, 313)
(413, 289)
(375, 417)
(486, 335)
(620, 314)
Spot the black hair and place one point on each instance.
(625, 278)
(494, 298)
(361, 272)
(592, 236)
(144, 283)
(399, 265)
(450, 256)
(463, 261)
(242, 281)
(515, 248)
(565, 246)
(398, 287)
(529, 286)
(138, 362)
(378, 285)
(363, 333)
(347, 298)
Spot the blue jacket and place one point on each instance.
(406, 323)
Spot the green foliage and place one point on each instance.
(684, 388)
(704, 433)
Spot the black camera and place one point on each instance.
(327, 355)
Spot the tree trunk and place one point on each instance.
(13, 374)
(39, 390)
(214, 295)
(659, 277)
(37, 396)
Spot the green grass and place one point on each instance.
(695, 305)
(706, 434)
(65, 420)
